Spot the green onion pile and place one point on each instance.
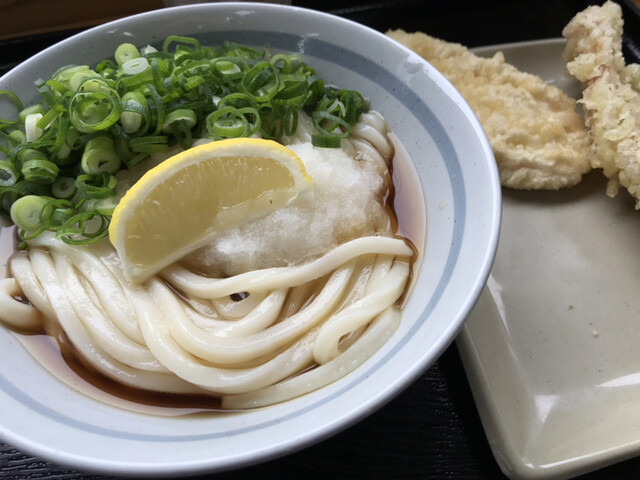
(60, 157)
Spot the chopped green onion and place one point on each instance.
(290, 121)
(39, 171)
(58, 88)
(71, 136)
(48, 118)
(130, 121)
(79, 78)
(30, 110)
(179, 123)
(135, 111)
(93, 111)
(126, 52)
(148, 50)
(55, 213)
(226, 122)
(84, 228)
(32, 131)
(101, 185)
(13, 98)
(63, 187)
(100, 157)
(25, 212)
(17, 137)
(10, 194)
(37, 188)
(180, 41)
(328, 124)
(64, 74)
(135, 65)
(354, 105)
(238, 100)
(8, 173)
(325, 141)
(243, 51)
(227, 69)
(261, 82)
(182, 116)
(106, 206)
(150, 144)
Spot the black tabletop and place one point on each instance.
(432, 429)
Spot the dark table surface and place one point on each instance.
(432, 429)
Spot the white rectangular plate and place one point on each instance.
(552, 349)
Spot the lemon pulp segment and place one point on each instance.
(181, 204)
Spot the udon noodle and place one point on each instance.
(254, 338)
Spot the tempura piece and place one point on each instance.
(539, 140)
(610, 94)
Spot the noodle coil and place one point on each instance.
(251, 338)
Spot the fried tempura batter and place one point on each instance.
(538, 138)
(610, 94)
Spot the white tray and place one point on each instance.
(552, 349)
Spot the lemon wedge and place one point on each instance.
(180, 205)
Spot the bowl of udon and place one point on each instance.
(310, 304)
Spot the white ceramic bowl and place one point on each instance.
(461, 194)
